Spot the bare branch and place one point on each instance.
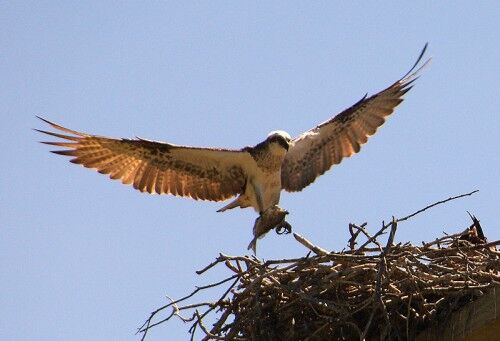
(437, 203)
(317, 250)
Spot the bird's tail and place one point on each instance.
(238, 202)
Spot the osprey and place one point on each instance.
(255, 175)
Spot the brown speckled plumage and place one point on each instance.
(156, 167)
(255, 174)
(317, 150)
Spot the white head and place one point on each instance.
(281, 137)
(281, 133)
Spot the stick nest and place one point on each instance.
(369, 291)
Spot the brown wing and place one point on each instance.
(156, 167)
(315, 151)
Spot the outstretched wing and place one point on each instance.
(156, 167)
(314, 152)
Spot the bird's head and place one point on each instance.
(280, 137)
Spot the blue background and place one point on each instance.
(85, 258)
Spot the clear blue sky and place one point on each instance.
(85, 258)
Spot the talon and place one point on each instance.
(284, 228)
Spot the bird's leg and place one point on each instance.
(257, 193)
(283, 227)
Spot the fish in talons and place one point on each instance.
(272, 218)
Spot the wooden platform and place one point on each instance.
(476, 321)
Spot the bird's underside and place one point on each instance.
(256, 175)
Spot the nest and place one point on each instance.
(369, 291)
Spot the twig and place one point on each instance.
(147, 325)
(316, 249)
(437, 203)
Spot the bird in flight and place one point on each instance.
(254, 175)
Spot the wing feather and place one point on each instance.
(157, 167)
(314, 152)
